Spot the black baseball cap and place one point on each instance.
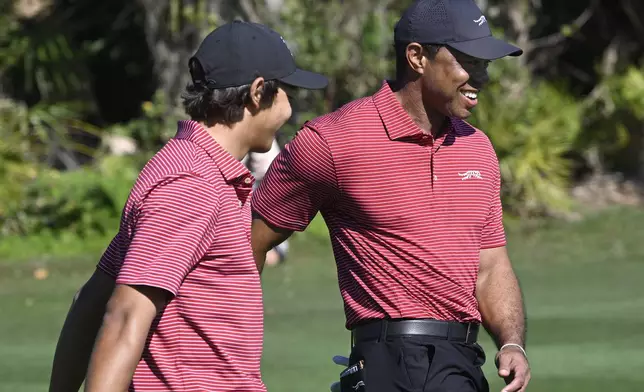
(238, 52)
(459, 24)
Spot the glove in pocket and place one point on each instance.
(353, 378)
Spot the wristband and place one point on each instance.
(513, 345)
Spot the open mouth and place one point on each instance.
(471, 97)
(470, 94)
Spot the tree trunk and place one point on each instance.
(170, 49)
(175, 28)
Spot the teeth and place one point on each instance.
(470, 94)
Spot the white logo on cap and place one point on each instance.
(481, 20)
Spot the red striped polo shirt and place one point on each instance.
(407, 215)
(186, 229)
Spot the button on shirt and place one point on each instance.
(186, 229)
(408, 214)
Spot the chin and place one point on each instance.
(461, 113)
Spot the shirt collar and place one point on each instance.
(398, 124)
(231, 168)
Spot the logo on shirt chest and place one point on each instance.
(471, 174)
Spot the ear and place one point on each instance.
(416, 58)
(256, 92)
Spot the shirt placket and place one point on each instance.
(243, 189)
(434, 146)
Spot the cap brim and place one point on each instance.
(306, 79)
(486, 48)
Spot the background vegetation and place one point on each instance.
(89, 91)
(78, 80)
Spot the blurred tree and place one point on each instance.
(45, 75)
(571, 104)
(349, 41)
(586, 45)
(174, 29)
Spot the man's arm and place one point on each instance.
(500, 298)
(127, 321)
(264, 238)
(174, 228)
(79, 332)
(501, 306)
(299, 182)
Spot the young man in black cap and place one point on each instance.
(177, 291)
(411, 195)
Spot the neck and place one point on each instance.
(228, 138)
(428, 120)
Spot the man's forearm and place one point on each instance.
(501, 305)
(120, 343)
(264, 237)
(116, 355)
(79, 333)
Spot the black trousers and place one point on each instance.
(421, 364)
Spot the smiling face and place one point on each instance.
(450, 80)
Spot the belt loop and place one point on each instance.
(467, 335)
(383, 330)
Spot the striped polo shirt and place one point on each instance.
(407, 214)
(186, 229)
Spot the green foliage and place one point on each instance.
(628, 91)
(40, 61)
(351, 43)
(83, 202)
(156, 126)
(533, 126)
(28, 138)
(37, 61)
(34, 198)
(613, 116)
(196, 13)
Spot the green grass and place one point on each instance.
(582, 283)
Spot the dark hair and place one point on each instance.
(225, 105)
(401, 57)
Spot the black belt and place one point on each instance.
(448, 330)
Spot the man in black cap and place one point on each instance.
(176, 294)
(411, 195)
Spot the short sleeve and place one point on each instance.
(493, 235)
(174, 229)
(298, 183)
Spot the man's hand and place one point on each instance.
(513, 368)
